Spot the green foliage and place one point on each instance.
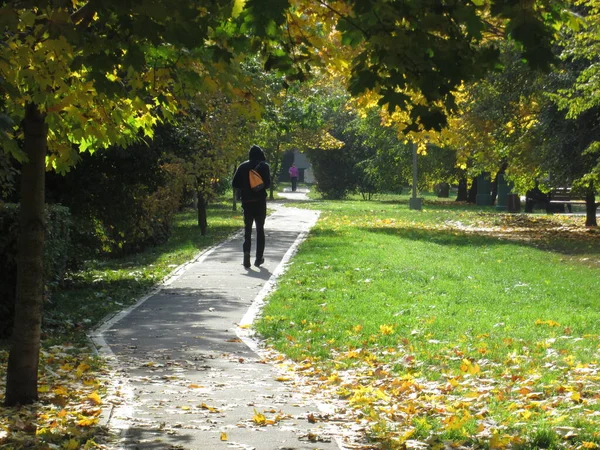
(56, 254)
(8, 175)
(430, 48)
(334, 172)
(519, 117)
(122, 200)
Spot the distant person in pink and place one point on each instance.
(293, 176)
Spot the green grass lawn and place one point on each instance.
(449, 325)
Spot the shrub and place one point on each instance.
(334, 172)
(122, 200)
(56, 254)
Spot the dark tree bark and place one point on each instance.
(462, 194)
(472, 197)
(591, 207)
(22, 371)
(202, 218)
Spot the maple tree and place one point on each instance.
(511, 120)
(206, 144)
(79, 77)
(296, 118)
(580, 101)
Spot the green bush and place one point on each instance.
(56, 254)
(122, 200)
(334, 172)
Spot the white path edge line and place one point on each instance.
(96, 336)
(259, 300)
(242, 330)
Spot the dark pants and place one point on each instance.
(294, 179)
(255, 212)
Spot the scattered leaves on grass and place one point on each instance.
(67, 415)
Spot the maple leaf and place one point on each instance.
(209, 408)
(87, 422)
(259, 418)
(386, 329)
(550, 323)
(95, 398)
(470, 368)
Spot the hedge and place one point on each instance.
(56, 254)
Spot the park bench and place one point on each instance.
(562, 197)
(555, 201)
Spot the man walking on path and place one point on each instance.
(293, 176)
(254, 202)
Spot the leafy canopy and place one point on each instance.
(104, 72)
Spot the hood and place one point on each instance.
(256, 153)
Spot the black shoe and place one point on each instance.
(259, 261)
(246, 260)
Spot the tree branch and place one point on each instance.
(343, 17)
(84, 15)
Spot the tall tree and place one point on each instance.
(80, 76)
(581, 101)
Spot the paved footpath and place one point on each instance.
(190, 377)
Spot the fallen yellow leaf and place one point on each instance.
(224, 436)
(87, 422)
(470, 368)
(60, 390)
(386, 329)
(210, 408)
(95, 398)
(258, 418)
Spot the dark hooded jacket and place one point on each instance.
(256, 161)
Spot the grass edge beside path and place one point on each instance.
(498, 349)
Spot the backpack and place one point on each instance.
(256, 182)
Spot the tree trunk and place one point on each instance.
(472, 196)
(235, 194)
(590, 208)
(462, 194)
(502, 171)
(22, 371)
(202, 220)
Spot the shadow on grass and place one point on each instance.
(551, 242)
